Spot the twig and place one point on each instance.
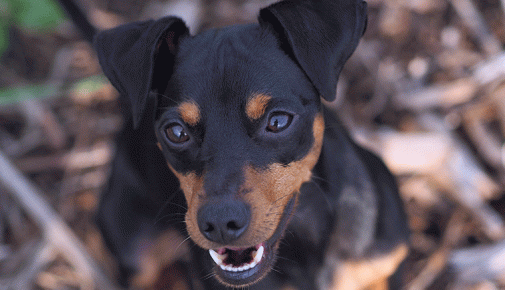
(445, 96)
(42, 256)
(475, 22)
(438, 260)
(55, 231)
(490, 70)
(480, 263)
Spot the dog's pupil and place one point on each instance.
(176, 134)
(279, 122)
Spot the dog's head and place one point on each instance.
(238, 116)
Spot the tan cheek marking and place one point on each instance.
(159, 146)
(189, 112)
(256, 106)
(370, 273)
(190, 184)
(288, 179)
(273, 187)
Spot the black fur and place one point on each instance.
(295, 55)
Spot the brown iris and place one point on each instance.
(176, 133)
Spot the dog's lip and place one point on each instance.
(262, 257)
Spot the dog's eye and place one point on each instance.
(176, 133)
(279, 121)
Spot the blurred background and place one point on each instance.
(425, 90)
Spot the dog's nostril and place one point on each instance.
(223, 222)
(233, 226)
(209, 228)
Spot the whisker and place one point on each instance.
(167, 202)
(282, 197)
(320, 178)
(276, 270)
(176, 214)
(290, 232)
(287, 259)
(208, 276)
(328, 201)
(180, 244)
(166, 97)
(172, 222)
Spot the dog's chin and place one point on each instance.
(241, 267)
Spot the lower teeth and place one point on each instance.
(219, 259)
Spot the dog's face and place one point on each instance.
(240, 127)
(238, 116)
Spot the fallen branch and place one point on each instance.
(475, 22)
(481, 263)
(438, 260)
(54, 229)
(43, 255)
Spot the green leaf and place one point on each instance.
(4, 26)
(40, 15)
(90, 84)
(21, 93)
(4, 37)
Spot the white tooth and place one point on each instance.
(217, 257)
(231, 268)
(259, 254)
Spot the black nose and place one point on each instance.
(223, 222)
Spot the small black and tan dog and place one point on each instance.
(227, 143)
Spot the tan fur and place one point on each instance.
(189, 112)
(271, 189)
(190, 184)
(370, 273)
(256, 106)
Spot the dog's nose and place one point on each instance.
(223, 222)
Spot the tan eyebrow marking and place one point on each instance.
(256, 106)
(189, 112)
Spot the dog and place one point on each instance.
(231, 172)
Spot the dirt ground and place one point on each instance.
(425, 90)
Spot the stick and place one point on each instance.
(480, 263)
(475, 22)
(55, 230)
(43, 256)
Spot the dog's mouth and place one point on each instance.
(240, 267)
(239, 259)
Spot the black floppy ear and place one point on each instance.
(319, 34)
(138, 57)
